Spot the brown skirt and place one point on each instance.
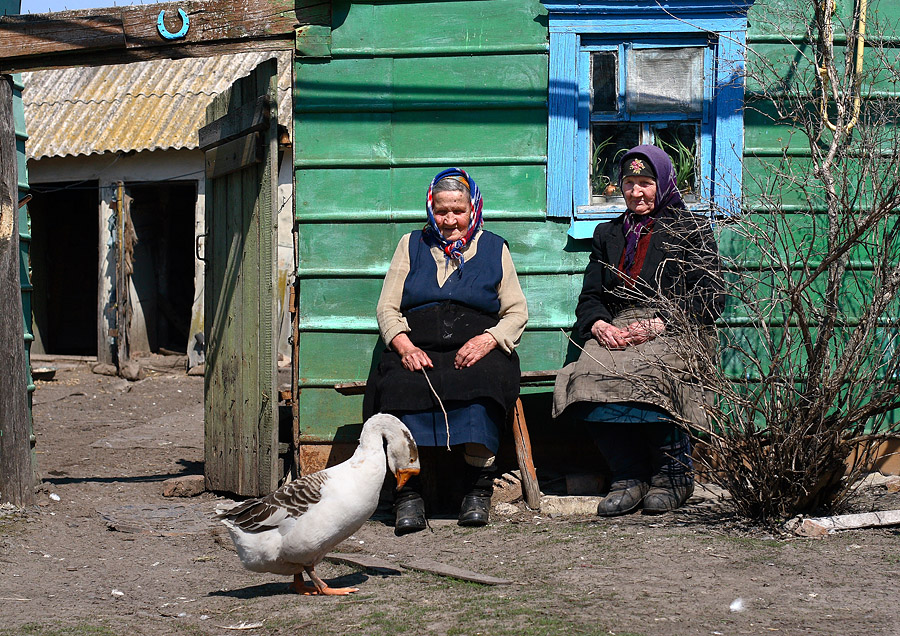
(655, 373)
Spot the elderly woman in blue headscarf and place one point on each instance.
(451, 311)
(651, 293)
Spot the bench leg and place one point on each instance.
(530, 488)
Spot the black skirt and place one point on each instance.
(440, 330)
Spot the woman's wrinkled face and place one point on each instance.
(452, 211)
(640, 194)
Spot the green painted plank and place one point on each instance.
(534, 246)
(400, 136)
(505, 188)
(348, 136)
(327, 415)
(472, 25)
(503, 81)
(463, 133)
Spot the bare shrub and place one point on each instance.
(810, 357)
(807, 371)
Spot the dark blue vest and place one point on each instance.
(475, 285)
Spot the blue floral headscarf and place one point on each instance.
(453, 249)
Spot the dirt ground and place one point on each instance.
(104, 552)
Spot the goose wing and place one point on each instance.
(291, 500)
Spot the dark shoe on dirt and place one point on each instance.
(474, 511)
(624, 496)
(666, 494)
(410, 516)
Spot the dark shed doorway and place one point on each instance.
(163, 277)
(64, 267)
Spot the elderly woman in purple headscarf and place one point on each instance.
(652, 288)
(451, 312)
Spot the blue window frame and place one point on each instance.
(642, 73)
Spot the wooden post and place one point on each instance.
(16, 472)
(530, 488)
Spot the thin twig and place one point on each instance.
(580, 347)
(446, 419)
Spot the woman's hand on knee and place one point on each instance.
(474, 350)
(411, 357)
(609, 335)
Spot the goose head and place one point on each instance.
(402, 452)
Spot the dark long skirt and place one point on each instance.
(477, 396)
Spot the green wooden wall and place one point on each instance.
(412, 88)
(415, 87)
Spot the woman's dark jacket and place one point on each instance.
(682, 265)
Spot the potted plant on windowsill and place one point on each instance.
(683, 161)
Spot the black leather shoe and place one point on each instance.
(410, 516)
(624, 496)
(667, 494)
(474, 511)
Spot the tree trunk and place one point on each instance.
(16, 474)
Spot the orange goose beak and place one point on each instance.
(403, 475)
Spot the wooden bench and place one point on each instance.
(516, 417)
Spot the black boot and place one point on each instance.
(672, 482)
(622, 447)
(476, 504)
(624, 496)
(409, 508)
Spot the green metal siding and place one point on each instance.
(413, 88)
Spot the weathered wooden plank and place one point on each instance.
(820, 526)
(374, 564)
(32, 35)
(427, 565)
(253, 477)
(234, 156)
(16, 474)
(530, 487)
(248, 118)
(74, 37)
(126, 56)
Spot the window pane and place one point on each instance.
(609, 143)
(604, 81)
(668, 80)
(679, 140)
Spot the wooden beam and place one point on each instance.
(16, 472)
(128, 34)
(235, 155)
(248, 118)
(434, 567)
(36, 37)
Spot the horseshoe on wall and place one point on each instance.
(163, 31)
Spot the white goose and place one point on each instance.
(291, 530)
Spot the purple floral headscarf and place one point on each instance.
(667, 195)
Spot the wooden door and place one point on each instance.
(241, 404)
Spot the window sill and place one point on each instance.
(588, 216)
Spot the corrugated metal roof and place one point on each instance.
(153, 105)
